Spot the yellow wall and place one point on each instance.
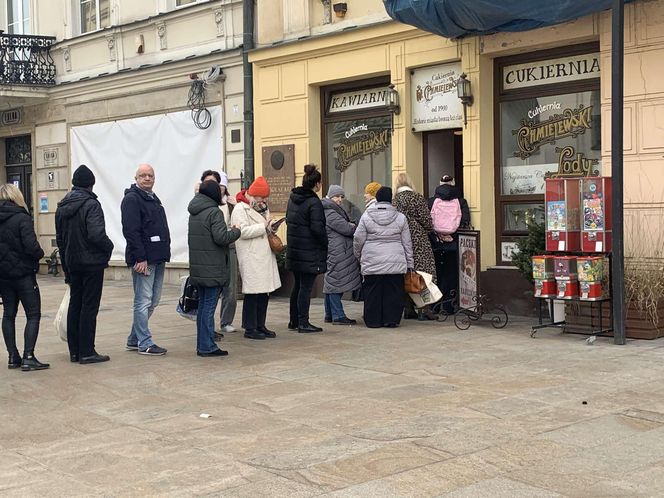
(288, 78)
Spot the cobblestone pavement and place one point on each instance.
(422, 410)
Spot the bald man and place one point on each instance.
(145, 229)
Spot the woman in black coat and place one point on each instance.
(19, 261)
(306, 250)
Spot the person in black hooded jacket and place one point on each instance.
(85, 250)
(306, 248)
(446, 253)
(19, 262)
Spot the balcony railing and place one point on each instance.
(26, 60)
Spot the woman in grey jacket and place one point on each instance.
(343, 269)
(383, 246)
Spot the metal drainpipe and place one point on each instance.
(248, 13)
(617, 97)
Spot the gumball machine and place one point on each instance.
(593, 274)
(596, 206)
(544, 276)
(563, 227)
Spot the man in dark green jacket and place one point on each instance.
(209, 238)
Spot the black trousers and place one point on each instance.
(300, 297)
(447, 271)
(84, 299)
(254, 311)
(25, 291)
(383, 300)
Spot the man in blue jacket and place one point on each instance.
(145, 229)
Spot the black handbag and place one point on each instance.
(189, 298)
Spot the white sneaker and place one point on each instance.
(226, 329)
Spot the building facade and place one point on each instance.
(541, 102)
(110, 84)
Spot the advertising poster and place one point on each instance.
(469, 268)
(555, 216)
(43, 203)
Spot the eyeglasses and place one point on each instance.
(145, 175)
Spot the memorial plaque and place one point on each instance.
(279, 171)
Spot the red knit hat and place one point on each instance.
(259, 188)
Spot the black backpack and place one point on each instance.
(189, 298)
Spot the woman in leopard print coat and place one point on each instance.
(414, 206)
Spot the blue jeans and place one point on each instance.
(147, 292)
(228, 293)
(207, 303)
(333, 307)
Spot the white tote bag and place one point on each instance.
(60, 321)
(430, 294)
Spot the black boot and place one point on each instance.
(14, 360)
(93, 358)
(307, 328)
(267, 332)
(254, 334)
(30, 362)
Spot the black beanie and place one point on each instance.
(211, 189)
(384, 194)
(83, 177)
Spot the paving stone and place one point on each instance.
(423, 410)
(500, 487)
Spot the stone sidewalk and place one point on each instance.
(422, 410)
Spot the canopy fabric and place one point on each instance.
(458, 18)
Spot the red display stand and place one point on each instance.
(597, 229)
(563, 214)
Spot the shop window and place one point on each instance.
(549, 119)
(18, 17)
(358, 152)
(535, 130)
(357, 140)
(94, 14)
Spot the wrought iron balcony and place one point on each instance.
(26, 60)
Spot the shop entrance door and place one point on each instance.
(443, 155)
(18, 160)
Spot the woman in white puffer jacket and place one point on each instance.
(382, 244)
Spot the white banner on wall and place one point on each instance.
(171, 143)
(435, 103)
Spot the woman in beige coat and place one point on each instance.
(258, 265)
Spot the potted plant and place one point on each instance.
(534, 244)
(644, 277)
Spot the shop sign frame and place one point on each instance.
(434, 101)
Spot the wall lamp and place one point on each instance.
(465, 95)
(392, 100)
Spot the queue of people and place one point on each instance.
(395, 234)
